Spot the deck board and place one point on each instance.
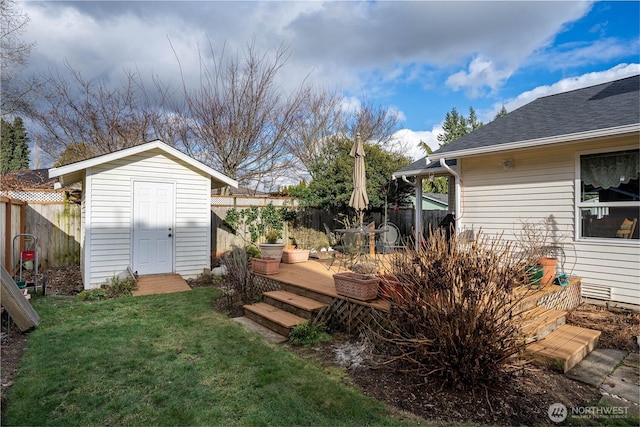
(160, 284)
(314, 275)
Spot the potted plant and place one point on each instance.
(360, 283)
(265, 265)
(393, 289)
(305, 241)
(540, 244)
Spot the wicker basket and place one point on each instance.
(292, 256)
(356, 286)
(265, 265)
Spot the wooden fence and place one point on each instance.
(12, 222)
(403, 218)
(57, 226)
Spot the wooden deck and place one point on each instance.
(541, 312)
(160, 284)
(314, 276)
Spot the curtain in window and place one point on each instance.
(611, 169)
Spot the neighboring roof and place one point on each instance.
(437, 197)
(604, 110)
(36, 179)
(239, 191)
(73, 172)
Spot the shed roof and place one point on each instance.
(73, 172)
(604, 110)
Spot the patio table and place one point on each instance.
(371, 232)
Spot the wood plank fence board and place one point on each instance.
(19, 307)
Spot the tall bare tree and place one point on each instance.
(239, 118)
(14, 55)
(319, 118)
(81, 118)
(372, 122)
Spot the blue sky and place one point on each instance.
(419, 58)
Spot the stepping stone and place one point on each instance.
(624, 383)
(632, 410)
(594, 368)
(267, 333)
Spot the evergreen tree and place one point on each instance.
(21, 151)
(456, 125)
(502, 112)
(332, 183)
(6, 146)
(14, 151)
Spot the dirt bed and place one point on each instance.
(524, 400)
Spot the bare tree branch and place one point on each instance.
(240, 119)
(88, 118)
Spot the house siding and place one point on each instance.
(111, 204)
(542, 183)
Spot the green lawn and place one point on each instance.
(171, 360)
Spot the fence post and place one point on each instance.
(7, 235)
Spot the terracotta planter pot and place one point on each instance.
(549, 266)
(357, 286)
(393, 290)
(265, 265)
(293, 256)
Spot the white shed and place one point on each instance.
(145, 209)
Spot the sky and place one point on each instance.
(419, 59)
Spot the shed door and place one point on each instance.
(153, 210)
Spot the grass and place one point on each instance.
(172, 360)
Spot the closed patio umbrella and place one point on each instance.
(359, 199)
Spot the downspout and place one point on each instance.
(456, 214)
(417, 222)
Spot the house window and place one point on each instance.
(609, 196)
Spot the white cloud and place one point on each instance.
(482, 73)
(584, 53)
(409, 140)
(356, 45)
(571, 83)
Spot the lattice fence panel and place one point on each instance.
(35, 196)
(346, 315)
(265, 284)
(566, 299)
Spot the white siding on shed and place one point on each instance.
(542, 183)
(109, 205)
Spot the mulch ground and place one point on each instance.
(522, 400)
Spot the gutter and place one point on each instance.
(535, 143)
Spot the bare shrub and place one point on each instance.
(455, 322)
(238, 286)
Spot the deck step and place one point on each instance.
(293, 303)
(539, 322)
(563, 348)
(274, 318)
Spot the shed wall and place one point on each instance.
(110, 209)
(542, 183)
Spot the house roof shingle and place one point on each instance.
(558, 118)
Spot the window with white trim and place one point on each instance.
(609, 201)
